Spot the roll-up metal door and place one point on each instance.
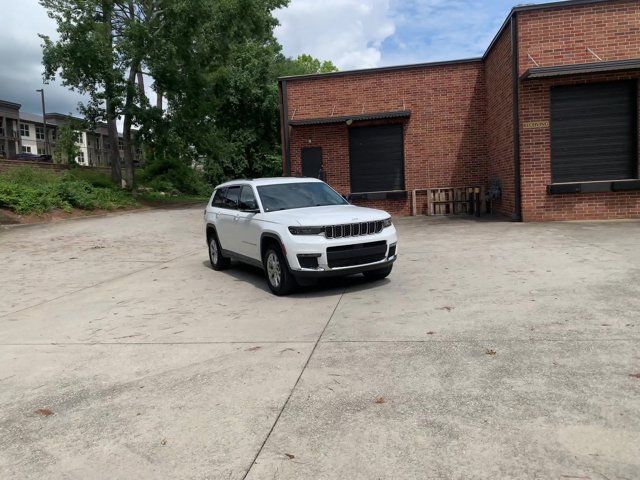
(376, 158)
(594, 132)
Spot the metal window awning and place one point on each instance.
(593, 67)
(353, 118)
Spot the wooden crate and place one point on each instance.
(453, 200)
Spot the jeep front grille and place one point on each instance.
(353, 229)
(356, 254)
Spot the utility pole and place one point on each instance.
(47, 150)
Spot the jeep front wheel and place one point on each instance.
(279, 278)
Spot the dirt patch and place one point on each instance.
(7, 217)
(45, 412)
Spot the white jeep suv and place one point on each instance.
(295, 229)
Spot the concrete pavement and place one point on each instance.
(494, 350)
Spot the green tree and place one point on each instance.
(214, 66)
(304, 65)
(87, 58)
(100, 52)
(66, 149)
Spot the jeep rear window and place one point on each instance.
(285, 196)
(218, 198)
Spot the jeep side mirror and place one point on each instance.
(251, 207)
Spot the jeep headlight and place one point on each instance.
(386, 222)
(306, 230)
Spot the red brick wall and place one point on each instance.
(561, 37)
(444, 143)
(500, 131)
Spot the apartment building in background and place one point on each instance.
(9, 134)
(22, 132)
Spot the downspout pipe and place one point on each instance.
(516, 216)
(284, 127)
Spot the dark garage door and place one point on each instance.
(594, 133)
(376, 159)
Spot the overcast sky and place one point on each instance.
(350, 33)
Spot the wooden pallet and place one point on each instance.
(452, 200)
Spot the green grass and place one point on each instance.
(28, 190)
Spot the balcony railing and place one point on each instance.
(9, 133)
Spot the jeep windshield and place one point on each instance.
(285, 196)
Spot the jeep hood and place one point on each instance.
(327, 215)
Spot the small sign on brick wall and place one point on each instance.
(531, 125)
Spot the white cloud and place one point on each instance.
(371, 33)
(347, 32)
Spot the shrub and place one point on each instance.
(95, 178)
(77, 193)
(28, 199)
(30, 176)
(28, 190)
(173, 176)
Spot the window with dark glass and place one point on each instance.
(232, 197)
(286, 196)
(218, 198)
(248, 199)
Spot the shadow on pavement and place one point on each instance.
(320, 288)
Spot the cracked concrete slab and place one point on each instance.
(45, 261)
(494, 350)
(482, 410)
(179, 301)
(462, 281)
(119, 411)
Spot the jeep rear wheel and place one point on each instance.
(218, 261)
(279, 278)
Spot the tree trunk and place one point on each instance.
(158, 99)
(126, 130)
(112, 128)
(114, 156)
(141, 92)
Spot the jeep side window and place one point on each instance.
(218, 198)
(231, 198)
(248, 199)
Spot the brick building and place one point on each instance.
(546, 120)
